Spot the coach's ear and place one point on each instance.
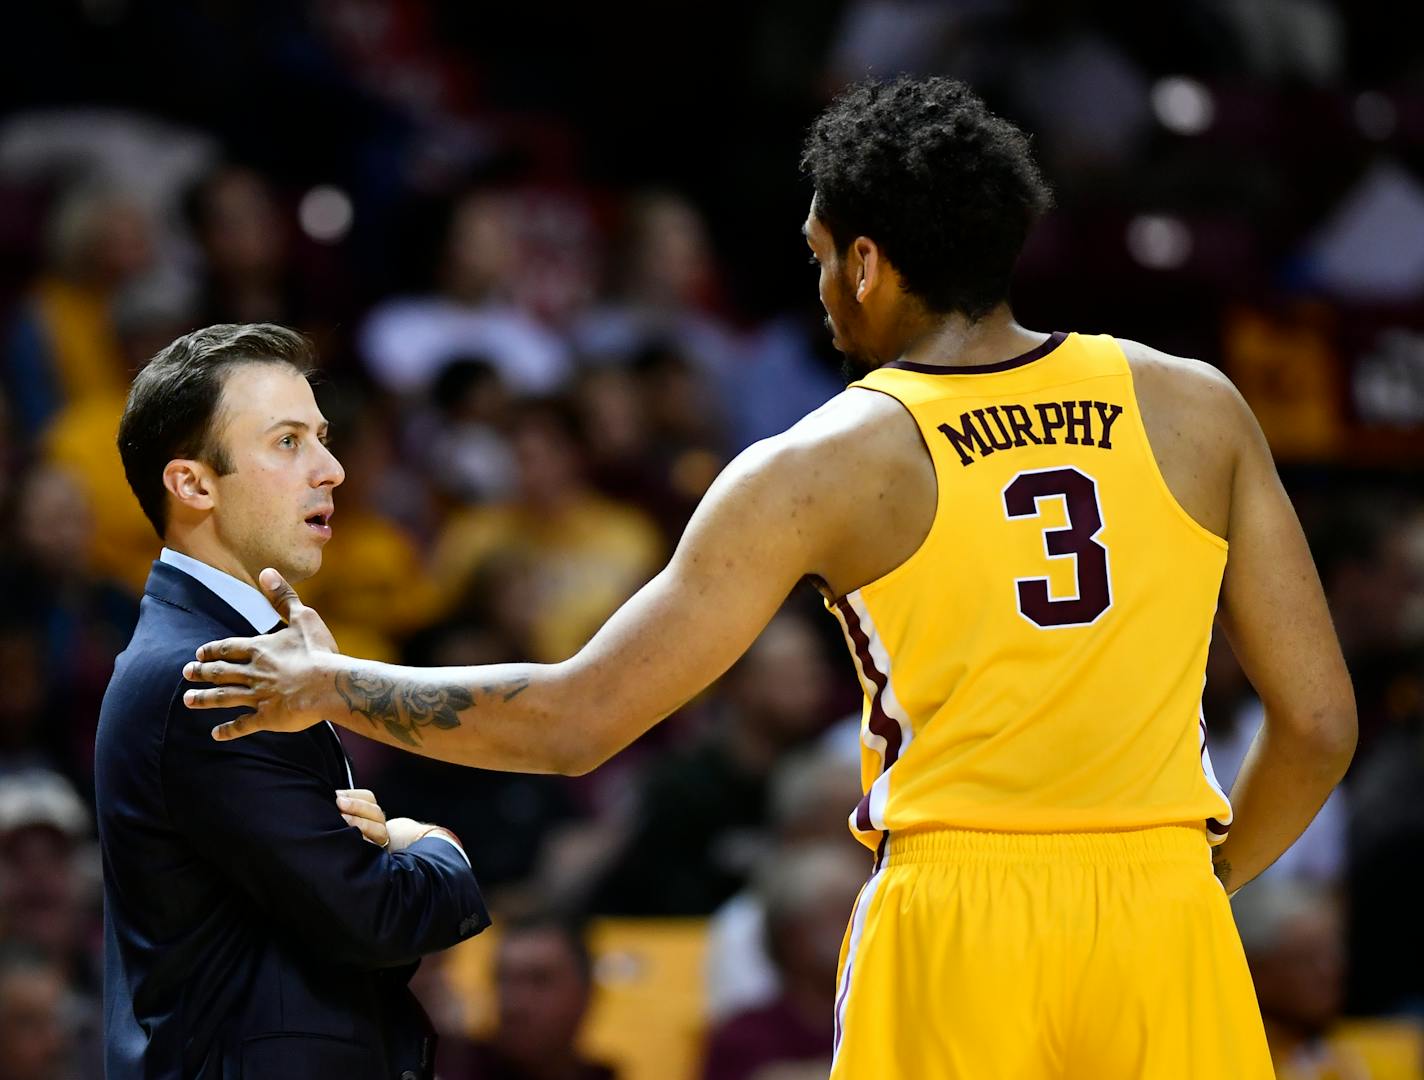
(190, 483)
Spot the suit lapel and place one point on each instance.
(172, 586)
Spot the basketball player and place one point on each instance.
(1025, 537)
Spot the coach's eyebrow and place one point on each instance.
(301, 425)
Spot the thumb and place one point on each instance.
(283, 597)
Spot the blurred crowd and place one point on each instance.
(551, 273)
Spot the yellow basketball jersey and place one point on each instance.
(1037, 664)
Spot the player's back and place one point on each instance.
(1037, 664)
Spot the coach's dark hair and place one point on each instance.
(173, 403)
(948, 190)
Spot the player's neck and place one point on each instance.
(953, 341)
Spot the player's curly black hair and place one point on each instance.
(946, 188)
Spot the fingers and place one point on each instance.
(284, 598)
(236, 729)
(220, 697)
(374, 831)
(238, 650)
(217, 672)
(361, 808)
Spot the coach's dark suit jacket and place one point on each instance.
(249, 932)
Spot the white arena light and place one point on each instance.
(1159, 241)
(325, 213)
(1183, 105)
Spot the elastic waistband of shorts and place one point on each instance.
(1160, 843)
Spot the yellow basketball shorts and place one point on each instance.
(1082, 956)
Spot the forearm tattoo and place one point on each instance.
(403, 709)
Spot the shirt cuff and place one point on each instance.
(449, 838)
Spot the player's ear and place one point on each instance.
(866, 266)
(189, 482)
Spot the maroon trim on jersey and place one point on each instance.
(1213, 826)
(1055, 339)
(880, 723)
(845, 987)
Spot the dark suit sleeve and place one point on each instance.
(262, 810)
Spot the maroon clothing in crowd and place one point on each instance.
(757, 1038)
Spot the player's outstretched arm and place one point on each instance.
(754, 536)
(1273, 610)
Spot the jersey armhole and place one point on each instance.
(916, 555)
(1156, 470)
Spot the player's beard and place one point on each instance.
(854, 363)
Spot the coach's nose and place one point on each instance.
(329, 471)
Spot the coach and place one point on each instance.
(250, 930)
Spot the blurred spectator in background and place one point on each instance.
(1373, 579)
(48, 900)
(406, 343)
(812, 794)
(662, 288)
(46, 871)
(543, 979)
(808, 893)
(1376, 587)
(244, 241)
(83, 442)
(698, 825)
(586, 554)
(34, 1034)
(77, 620)
(1292, 936)
(460, 436)
(62, 349)
(71, 368)
(654, 434)
(787, 370)
(254, 270)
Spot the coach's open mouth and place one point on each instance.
(320, 523)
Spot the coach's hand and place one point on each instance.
(285, 678)
(361, 811)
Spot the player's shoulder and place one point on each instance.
(1196, 379)
(856, 430)
(856, 420)
(1180, 386)
(844, 450)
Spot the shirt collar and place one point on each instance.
(238, 595)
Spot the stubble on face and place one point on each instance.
(268, 493)
(854, 361)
